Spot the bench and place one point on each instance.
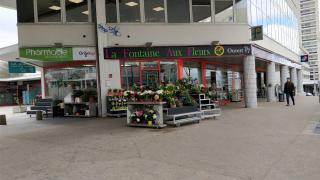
(44, 105)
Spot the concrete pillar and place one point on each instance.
(293, 77)
(250, 82)
(109, 70)
(271, 81)
(101, 74)
(299, 81)
(284, 75)
(43, 83)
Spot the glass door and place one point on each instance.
(150, 78)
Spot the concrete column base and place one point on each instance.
(271, 72)
(250, 82)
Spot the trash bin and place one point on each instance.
(281, 97)
(3, 120)
(39, 115)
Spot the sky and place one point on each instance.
(8, 27)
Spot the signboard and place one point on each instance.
(47, 54)
(256, 33)
(19, 67)
(176, 51)
(84, 53)
(304, 58)
(52, 54)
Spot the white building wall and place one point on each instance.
(277, 48)
(277, 75)
(37, 35)
(179, 34)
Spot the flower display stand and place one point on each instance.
(208, 108)
(183, 115)
(116, 106)
(145, 114)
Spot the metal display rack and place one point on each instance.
(208, 108)
(116, 106)
(79, 109)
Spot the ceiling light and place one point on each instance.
(158, 8)
(76, 1)
(85, 12)
(57, 8)
(131, 3)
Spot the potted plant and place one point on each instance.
(158, 95)
(121, 91)
(77, 94)
(115, 92)
(172, 102)
(137, 117)
(109, 92)
(150, 116)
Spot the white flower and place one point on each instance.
(126, 93)
(138, 119)
(154, 116)
(151, 111)
(160, 91)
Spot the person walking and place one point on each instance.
(289, 90)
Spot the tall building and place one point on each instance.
(143, 43)
(309, 10)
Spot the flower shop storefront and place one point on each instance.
(217, 68)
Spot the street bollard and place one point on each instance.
(39, 115)
(3, 120)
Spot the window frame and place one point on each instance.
(165, 4)
(63, 14)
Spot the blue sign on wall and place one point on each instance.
(19, 67)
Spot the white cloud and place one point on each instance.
(8, 27)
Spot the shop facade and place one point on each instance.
(155, 66)
(146, 43)
(67, 73)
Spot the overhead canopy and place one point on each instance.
(8, 4)
(9, 53)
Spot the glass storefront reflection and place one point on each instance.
(279, 21)
(61, 82)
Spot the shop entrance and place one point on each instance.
(147, 73)
(150, 78)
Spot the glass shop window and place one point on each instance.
(130, 74)
(223, 10)
(129, 11)
(178, 11)
(111, 11)
(168, 71)
(192, 71)
(77, 11)
(25, 11)
(49, 11)
(201, 10)
(154, 10)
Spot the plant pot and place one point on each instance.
(173, 105)
(77, 100)
(149, 123)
